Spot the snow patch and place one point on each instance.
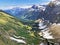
(47, 35)
(18, 40)
(45, 30)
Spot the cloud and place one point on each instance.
(26, 6)
(10, 7)
(55, 0)
(7, 7)
(45, 3)
(58, 2)
(52, 0)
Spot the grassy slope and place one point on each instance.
(10, 26)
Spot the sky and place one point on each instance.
(10, 3)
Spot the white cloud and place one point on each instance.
(10, 7)
(25, 6)
(7, 7)
(55, 0)
(45, 3)
(52, 0)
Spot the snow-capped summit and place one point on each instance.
(38, 7)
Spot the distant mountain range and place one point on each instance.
(26, 13)
(49, 12)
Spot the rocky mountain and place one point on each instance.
(52, 12)
(49, 12)
(34, 13)
(31, 13)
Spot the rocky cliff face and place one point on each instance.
(52, 12)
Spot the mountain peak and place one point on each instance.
(35, 7)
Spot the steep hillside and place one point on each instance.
(11, 30)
